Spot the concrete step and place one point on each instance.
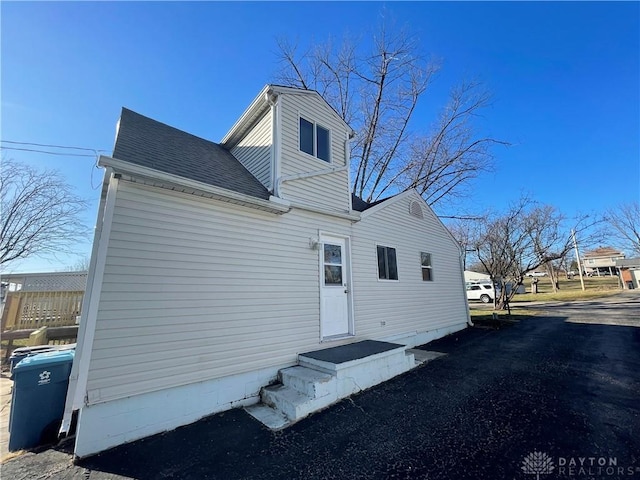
(424, 356)
(354, 375)
(323, 377)
(346, 357)
(312, 383)
(294, 404)
(268, 416)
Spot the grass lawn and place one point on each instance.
(570, 289)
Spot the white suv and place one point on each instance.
(481, 291)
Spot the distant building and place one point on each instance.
(629, 273)
(470, 277)
(602, 261)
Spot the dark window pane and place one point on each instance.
(382, 264)
(323, 143)
(332, 275)
(391, 262)
(332, 254)
(426, 259)
(426, 274)
(306, 136)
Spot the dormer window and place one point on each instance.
(315, 140)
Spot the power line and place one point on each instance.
(52, 146)
(93, 155)
(52, 153)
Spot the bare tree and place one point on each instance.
(524, 238)
(452, 153)
(549, 242)
(80, 265)
(462, 229)
(377, 93)
(625, 220)
(501, 247)
(40, 213)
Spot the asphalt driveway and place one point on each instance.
(561, 391)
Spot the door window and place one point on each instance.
(332, 264)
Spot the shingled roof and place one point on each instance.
(360, 205)
(149, 143)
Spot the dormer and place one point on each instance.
(297, 146)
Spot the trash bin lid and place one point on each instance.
(43, 359)
(21, 351)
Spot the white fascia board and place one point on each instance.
(371, 211)
(444, 227)
(300, 91)
(120, 166)
(260, 103)
(86, 330)
(75, 392)
(246, 119)
(410, 193)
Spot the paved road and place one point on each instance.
(565, 385)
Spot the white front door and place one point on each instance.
(334, 286)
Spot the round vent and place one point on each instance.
(416, 210)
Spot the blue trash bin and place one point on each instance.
(23, 352)
(39, 394)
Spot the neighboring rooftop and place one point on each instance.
(146, 142)
(628, 262)
(604, 252)
(47, 282)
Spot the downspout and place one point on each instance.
(298, 176)
(464, 286)
(347, 162)
(273, 100)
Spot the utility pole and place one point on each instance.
(575, 245)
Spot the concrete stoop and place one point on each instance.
(324, 377)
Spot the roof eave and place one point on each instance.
(253, 111)
(122, 167)
(260, 104)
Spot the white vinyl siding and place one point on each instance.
(196, 289)
(384, 309)
(329, 191)
(254, 150)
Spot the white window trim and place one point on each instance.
(347, 276)
(430, 267)
(315, 138)
(382, 244)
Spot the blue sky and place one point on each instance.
(565, 79)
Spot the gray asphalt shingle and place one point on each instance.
(149, 143)
(359, 205)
